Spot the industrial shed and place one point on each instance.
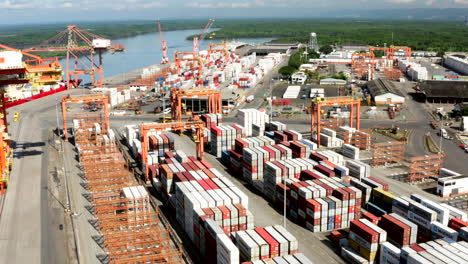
(332, 81)
(451, 92)
(383, 92)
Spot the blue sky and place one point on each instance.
(46, 11)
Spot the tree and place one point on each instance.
(440, 53)
(326, 49)
(286, 71)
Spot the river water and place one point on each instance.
(144, 50)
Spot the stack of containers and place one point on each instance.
(265, 243)
(223, 138)
(437, 251)
(351, 151)
(230, 217)
(381, 202)
(443, 213)
(375, 183)
(455, 212)
(277, 171)
(358, 169)
(399, 233)
(320, 205)
(365, 238)
(400, 205)
(298, 258)
(236, 156)
(389, 254)
(423, 217)
(275, 126)
(251, 117)
(227, 252)
(253, 160)
(161, 143)
(211, 120)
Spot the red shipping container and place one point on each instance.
(364, 231)
(324, 170)
(308, 175)
(456, 224)
(274, 245)
(351, 209)
(226, 212)
(206, 164)
(317, 157)
(417, 248)
(372, 218)
(242, 227)
(397, 231)
(241, 211)
(352, 194)
(337, 219)
(205, 185)
(235, 228)
(385, 185)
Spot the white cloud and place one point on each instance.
(400, 1)
(429, 2)
(16, 4)
(241, 4)
(66, 5)
(461, 2)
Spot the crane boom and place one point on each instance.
(165, 59)
(207, 27)
(39, 59)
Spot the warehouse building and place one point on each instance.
(451, 92)
(383, 92)
(332, 81)
(457, 63)
(299, 77)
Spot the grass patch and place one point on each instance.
(431, 145)
(400, 135)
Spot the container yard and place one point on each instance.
(213, 156)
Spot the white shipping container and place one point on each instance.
(227, 252)
(389, 254)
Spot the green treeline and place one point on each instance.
(419, 35)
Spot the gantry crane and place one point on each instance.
(146, 128)
(165, 59)
(318, 103)
(191, 57)
(98, 99)
(213, 100)
(394, 49)
(218, 47)
(79, 45)
(362, 63)
(198, 40)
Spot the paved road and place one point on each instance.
(29, 233)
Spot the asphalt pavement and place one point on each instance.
(29, 233)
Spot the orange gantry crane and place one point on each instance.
(81, 46)
(394, 49)
(165, 59)
(316, 107)
(146, 128)
(218, 47)
(98, 99)
(213, 100)
(362, 64)
(190, 57)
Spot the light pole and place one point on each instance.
(271, 98)
(284, 206)
(56, 114)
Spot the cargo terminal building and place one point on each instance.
(447, 92)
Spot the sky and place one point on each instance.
(47, 11)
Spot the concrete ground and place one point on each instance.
(31, 217)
